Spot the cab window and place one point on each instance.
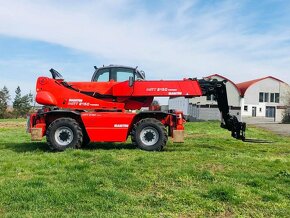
(102, 75)
(121, 74)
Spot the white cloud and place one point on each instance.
(175, 42)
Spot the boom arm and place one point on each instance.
(230, 122)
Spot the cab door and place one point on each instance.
(121, 74)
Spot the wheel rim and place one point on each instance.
(149, 136)
(63, 136)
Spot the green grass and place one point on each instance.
(211, 174)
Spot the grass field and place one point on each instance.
(211, 174)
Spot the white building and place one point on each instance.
(264, 97)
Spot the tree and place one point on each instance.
(4, 98)
(21, 105)
(26, 101)
(17, 102)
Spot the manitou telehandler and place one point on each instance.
(75, 113)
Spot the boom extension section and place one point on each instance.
(219, 91)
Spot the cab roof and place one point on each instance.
(113, 65)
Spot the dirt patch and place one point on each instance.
(12, 124)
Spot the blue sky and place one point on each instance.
(241, 40)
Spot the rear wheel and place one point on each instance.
(64, 133)
(149, 134)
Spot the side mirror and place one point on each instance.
(131, 81)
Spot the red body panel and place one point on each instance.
(188, 88)
(107, 126)
(64, 97)
(160, 88)
(103, 88)
(110, 95)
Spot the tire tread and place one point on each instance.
(79, 142)
(150, 121)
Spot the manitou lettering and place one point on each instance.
(121, 125)
(75, 100)
(174, 93)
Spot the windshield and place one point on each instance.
(118, 74)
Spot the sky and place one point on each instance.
(241, 40)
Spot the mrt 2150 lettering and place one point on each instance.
(76, 102)
(169, 91)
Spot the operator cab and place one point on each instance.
(117, 73)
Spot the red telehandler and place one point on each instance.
(75, 113)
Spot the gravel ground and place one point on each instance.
(281, 129)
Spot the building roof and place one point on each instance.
(234, 84)
(245, 85)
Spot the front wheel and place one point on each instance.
(64, 133)
(149, 134)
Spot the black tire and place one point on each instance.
(149, 134)
(64, 133)
(86, 139)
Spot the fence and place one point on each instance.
(209, 112)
